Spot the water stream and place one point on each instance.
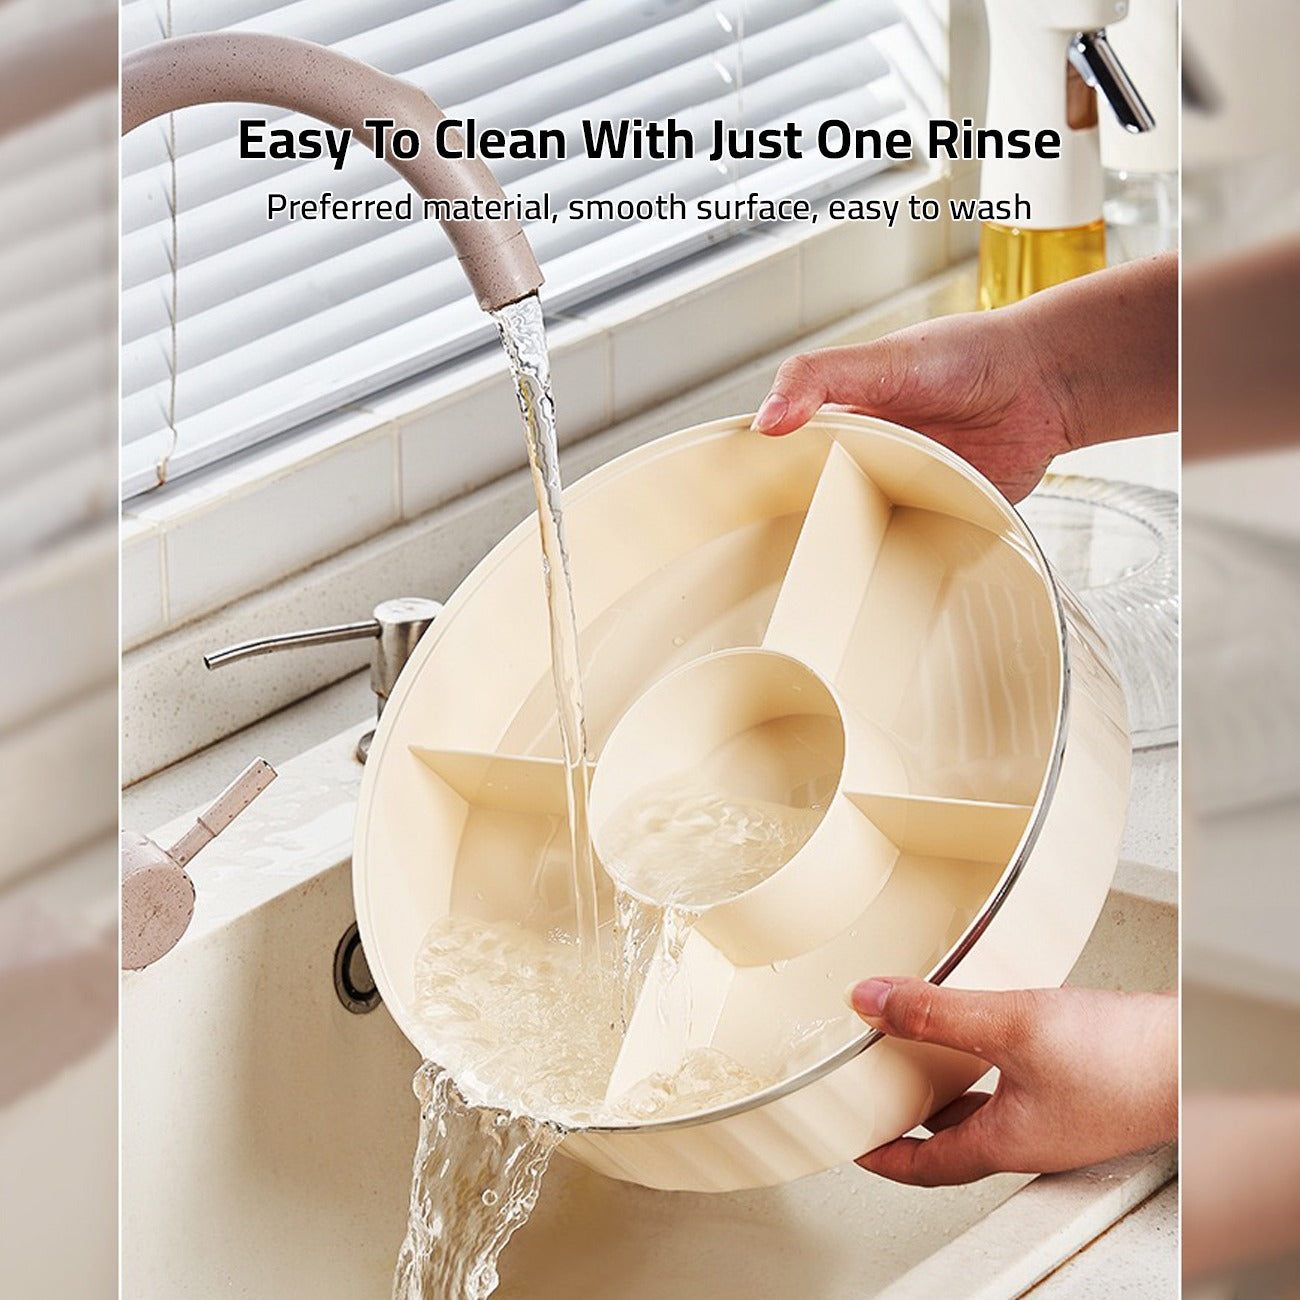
(691, 845)
(523, 335)
(476, 1179)
(530, 1028)
(495, 994)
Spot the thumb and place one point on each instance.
(992, 1026)
(863, 376)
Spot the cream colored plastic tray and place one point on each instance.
(856, 555)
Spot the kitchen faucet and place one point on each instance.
(250, 67)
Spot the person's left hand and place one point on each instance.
(1085, 1075)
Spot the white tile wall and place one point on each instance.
(178, 501)
(852, 263)
(173, 706)
(281, 524)
(705, 332)
(445, 423)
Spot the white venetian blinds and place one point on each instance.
(276, 322)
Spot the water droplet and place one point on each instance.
(779, 966)
(679, 641)
(490, 1196)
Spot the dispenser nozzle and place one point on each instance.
(1098, 64)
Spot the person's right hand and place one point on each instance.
(1085, 1075)
(973, 383)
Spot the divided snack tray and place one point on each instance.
(730, 585)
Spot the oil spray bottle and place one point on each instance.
(1048, 60)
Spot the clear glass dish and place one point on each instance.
(1115, 545)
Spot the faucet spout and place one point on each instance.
(248, 67)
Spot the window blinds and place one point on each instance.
(277, 322)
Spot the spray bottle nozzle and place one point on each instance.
(1099, 65)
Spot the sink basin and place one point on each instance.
(267, 1133)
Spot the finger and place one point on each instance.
(992, 1026)
(957, 1155)
(847, 376)
(956, 1112)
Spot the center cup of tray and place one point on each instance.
(721, 792)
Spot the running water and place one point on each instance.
(530, 1028)
(492, 994)
(521, 1026)
(637, 925)
(517, 1020)
(476, 1179)
(523, 335)
(687, 844)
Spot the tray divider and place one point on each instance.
(676, 1012)
(971, 830)
(508, 782)
(817, 607)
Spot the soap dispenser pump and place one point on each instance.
(1048, 59)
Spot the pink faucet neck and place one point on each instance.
(246, 67)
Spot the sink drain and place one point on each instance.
(352, 979)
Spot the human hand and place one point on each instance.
(970, 382)
(1085, 1075)
(1092, 360)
